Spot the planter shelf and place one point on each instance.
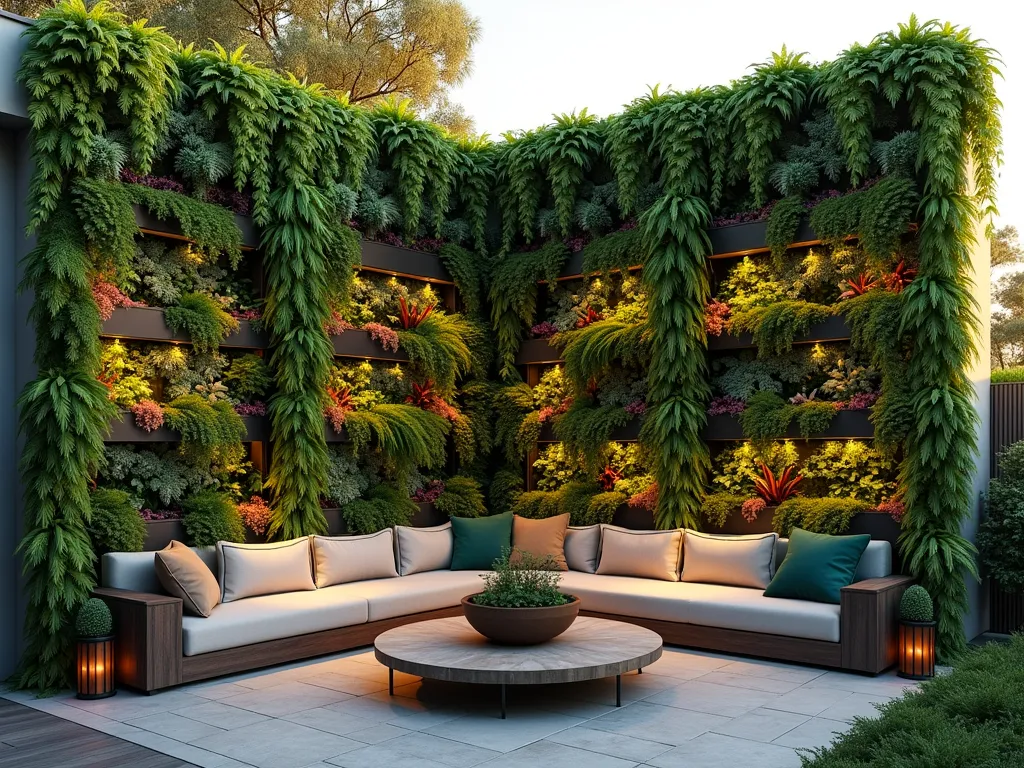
(160, 533)
(404, 262)
(543, 352)
(124, 430)
(628, 433)
(834, 328)
(148, 324)
(538, 352)
(726, 242)
(845, 425)
(149, 224)
(357, 343)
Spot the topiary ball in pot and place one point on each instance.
(916, 605)
(94, 619)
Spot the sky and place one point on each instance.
(539, 57)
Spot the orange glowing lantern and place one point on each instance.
(95, 657)
(917, 650)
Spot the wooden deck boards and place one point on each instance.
(33, 739)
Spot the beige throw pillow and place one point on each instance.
(644, 554)
(581, 547)
(541, 538)
(248, 570)
(424, 549)
(737, 561)
(182, 573)
(341, 559)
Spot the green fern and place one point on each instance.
(203, 319)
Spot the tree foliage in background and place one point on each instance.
(1007, 331)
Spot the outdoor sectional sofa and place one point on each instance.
(158, 647)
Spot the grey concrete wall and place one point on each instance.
(16, 339)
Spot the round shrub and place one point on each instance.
(210, 517)
(916, 604)
(115, 524)
(461, 497)
(94, 619)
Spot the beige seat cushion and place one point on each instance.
(582, 544)
(736, 561)
(272, 617)
(428, 591)
(708, 605)
(249, 570)
(341, 559)
(424, 549)
(182, 573)
(542, 538)
(643, 554)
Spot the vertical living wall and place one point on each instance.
(598, 238)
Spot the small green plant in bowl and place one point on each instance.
(522, 580)
(521, 603)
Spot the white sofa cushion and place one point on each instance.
(875, 563)
(271, 617)
(341, 559)
(428, 591)
(250, 570)
(735, 561)
(644, 554)
(136, 571)
(582, 544)
(710, 605)
(424, 549)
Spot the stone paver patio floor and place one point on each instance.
(689, 709)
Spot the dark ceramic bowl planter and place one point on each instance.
(520, 626)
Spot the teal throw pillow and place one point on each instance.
(817, 566)
(479, 541)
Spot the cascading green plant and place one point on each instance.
(81, 66)
(568, 149)
(946, 80)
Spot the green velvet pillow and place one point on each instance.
(817, 566)
(479, 541)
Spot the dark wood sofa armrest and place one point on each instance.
(868, 616)
(147, 644)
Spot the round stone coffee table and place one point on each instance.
(451, 650)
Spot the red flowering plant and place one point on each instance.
(751, 508)
(149, 416)
(411, 314)
(255, 514)
(109, 297)
(893, 507)
(715, 315)
(386, 337)
(900, 277)
(775, 490)
(423, 396)
(588, 317)
(608, 477)
(645, 499)
(858, 285)
(340, 403)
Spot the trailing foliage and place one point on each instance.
(439, 347)
(617, 251)
(209, 431)
(768, 416)
(592, 350)
(461, 498)
(585, 503)
(587, 427)
(405, 434)
(203, 319)
(776, 325)
(831, 516)
(676, 280)
(212, 228)
(209, 517)
(513, 295)
(783, 224)
(717, 508)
